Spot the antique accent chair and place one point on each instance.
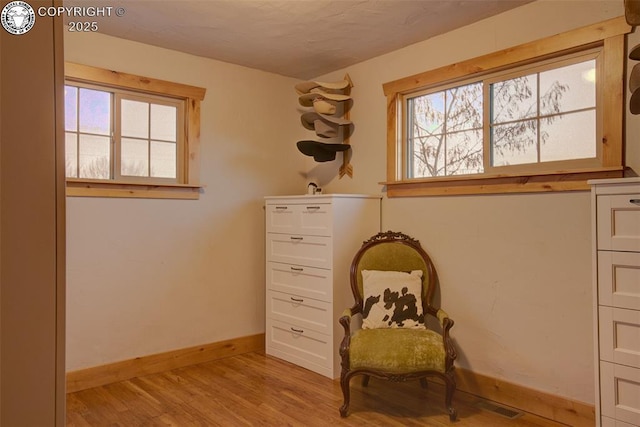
(390, 274)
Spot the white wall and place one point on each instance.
(147, 276)
(515, 269)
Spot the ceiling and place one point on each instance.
(295, 38)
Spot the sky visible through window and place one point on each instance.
(88, 133)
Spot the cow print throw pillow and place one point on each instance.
(392, 299)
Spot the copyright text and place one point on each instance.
(78, 12)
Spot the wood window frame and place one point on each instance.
(190, 166)
(608, 36)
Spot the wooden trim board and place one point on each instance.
(571, 39)
(106, 374)
(86, 73)
(546, 405)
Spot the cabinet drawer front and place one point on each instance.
(311, 251)
(619, 279)
(282, 218)
(610, 422)
(314, 219)
(305, 281)
(620, 336)
(620, 392)
(307, 313)
(619, 222)
(299, 345)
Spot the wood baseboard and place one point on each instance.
(106, 374)
(546, 405)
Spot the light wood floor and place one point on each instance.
(258, 390)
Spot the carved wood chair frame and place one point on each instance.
(446, 323)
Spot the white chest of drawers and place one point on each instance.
(616, 278)
(310, 243)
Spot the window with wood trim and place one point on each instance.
(130, 136)
(545, 116)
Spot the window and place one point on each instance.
(534, 116)
(545, 116)
(113, 135)
(444, 132)
(129, 136)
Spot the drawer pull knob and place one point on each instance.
(296, 238)
(635, 201)
(297, 269)
(315, 208)
(296, 299)
(300, 331)
(283, 208)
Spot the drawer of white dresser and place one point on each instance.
(311, 251)
(620, 335)
(619, 279)
(308, 282)
(610, 422)
(304, 347)
(620, 392)
(619, 222)
(313, 219)
(306, 313)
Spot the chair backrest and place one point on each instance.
(392, 251)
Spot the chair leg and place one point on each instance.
(365, 380)
(344, 384)
(450, 381)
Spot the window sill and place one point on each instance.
(570, 180)
(99, 188)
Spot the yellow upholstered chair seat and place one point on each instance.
(397, 350)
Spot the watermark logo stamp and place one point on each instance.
(17, 17)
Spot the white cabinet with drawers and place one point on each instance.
(310, 243)
(616, 278)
